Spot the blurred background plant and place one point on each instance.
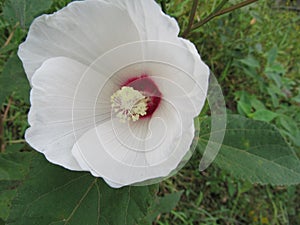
(255, 54)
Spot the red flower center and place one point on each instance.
(149, 89)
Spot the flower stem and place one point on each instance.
(191, 19)
(219, 12)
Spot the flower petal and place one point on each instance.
(127, 153)
(81, 31)
(181, 66)
(56, 116)
(164, 62)
(151, 22)
(85, 30)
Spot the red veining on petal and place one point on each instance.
(148, 87)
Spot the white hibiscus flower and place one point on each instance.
(114, 90)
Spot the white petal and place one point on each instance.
(127, 153)
(160, 60)
(151, 22)
(84, 166)
(82, 31)
(85, 30)
(58, 113)
(180, 65)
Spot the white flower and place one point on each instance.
(114, 90)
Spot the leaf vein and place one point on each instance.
(80, 201)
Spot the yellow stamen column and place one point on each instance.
(129, 104)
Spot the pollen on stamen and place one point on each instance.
(129, 104)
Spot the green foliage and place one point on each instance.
(13, 79)
(24, 11)
(254, 151)
(257, 64)
(14, 165)
(163, 205)
(7, 194)
(238, 48)
(51, 194)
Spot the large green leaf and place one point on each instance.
(14, 165)
(56, 196)
(13, 79)
(255, 151)
(24, 11)
(7, 193)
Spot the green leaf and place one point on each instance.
(256, 104)
(244, 108)
(264, 115)
(271, 55)
(24, 11)
(163, 205)
(250, 61)
(54, 195)
(7, 194)
(14, 165)
(243, 104)
(13, 79)
(255, 151)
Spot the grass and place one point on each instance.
(239, 48)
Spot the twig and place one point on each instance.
(5, 114)
(11, 35)
(222, 12)
(191, 19)
(9, 38)
(193, 12)
(17, 141)
(2, 120)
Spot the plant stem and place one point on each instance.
(222, 12)
(17, 141)
(191, 19)
(1, 134)
(163, 6)
(2, 120)
(220, 6)
(11, 35)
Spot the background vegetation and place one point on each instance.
(255, 54)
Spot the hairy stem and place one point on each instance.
(191, 19)
(222, 12)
